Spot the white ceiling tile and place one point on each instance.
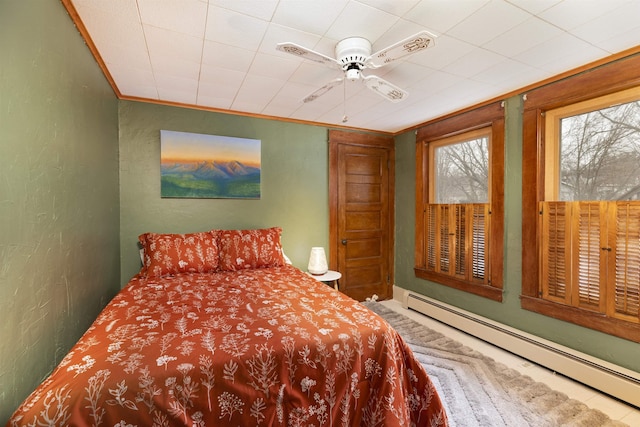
(335, 115)
(314, 17)
(129, 54)
(169, 66)
(394, 7)
(115, 29)
(290, 96)
(220, 79)
(215, 102)
(569, 14)
(186, 16)
(473, 63)
(404, 74)
(436, 81)
(523, 37)
(362, 99)
(440, 16)
(177, 89)
(360, 20)
(145, 91)
(224, 89)
(561, 53)
(622, 41)
(247, 106)
(278, 110)
(276, 33)
(167, 43)
(273, 66)
(612, 24)
(294, 91)
(258, 90)
(235, 29)
(120, 10)
(514, 73)
(535, 6)
(134, 81)
(314, 74)
(488, 22)
(226, 56)
(466, 89)
(261, 9)
(446, 51)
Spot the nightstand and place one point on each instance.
(330, 278)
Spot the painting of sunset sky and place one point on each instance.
(209, 166)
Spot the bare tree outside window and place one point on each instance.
(600, 154)
(462, 172)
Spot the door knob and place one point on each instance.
(344, 241)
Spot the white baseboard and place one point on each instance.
(609, 378)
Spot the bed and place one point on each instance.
(218, 329)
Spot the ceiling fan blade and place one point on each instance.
(383, 88)
(303, 52)
(408, 46)
(324, 89)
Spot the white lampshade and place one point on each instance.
(317, 261)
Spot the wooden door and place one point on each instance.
(361, 213)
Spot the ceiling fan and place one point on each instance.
(353, 55)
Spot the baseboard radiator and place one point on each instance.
(609, 378)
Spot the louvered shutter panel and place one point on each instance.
(443, 237)
(460, 233)
(431, 236)
(590, 239)
(456, 240)
(479, 241)
(555, 250)
(626, 289)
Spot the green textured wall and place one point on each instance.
(294, 181)
(606, 347)
(58, 193)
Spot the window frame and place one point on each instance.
(490, 116)
(607, 79)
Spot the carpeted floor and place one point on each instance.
(478, 391)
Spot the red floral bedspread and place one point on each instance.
(259, 347)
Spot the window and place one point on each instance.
(461, 168)
(593, 149)
(581, 203)
(459, 202)
(590, 217)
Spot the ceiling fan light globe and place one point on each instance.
(352, 74)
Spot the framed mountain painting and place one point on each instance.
(209, 166)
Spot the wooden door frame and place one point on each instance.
(337, 138)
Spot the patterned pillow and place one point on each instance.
(169, 254)
(243, 249)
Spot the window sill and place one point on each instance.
(485, 291)
(581, 317)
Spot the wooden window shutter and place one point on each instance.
(626, 293)
(591, 256)
(456, 242)
(480, 242)
(590, 238)
(555, 251)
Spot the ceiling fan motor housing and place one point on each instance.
(351, 53)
